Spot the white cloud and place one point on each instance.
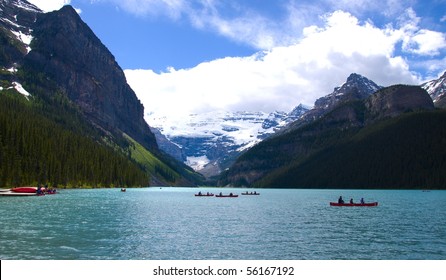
(282, 77)
(426, 42)
(49, 5)
(419, 41)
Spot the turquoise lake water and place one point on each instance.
(171, 223)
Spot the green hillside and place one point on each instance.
(171, 171)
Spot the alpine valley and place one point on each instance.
(69, 118)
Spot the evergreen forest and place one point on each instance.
(44, 143)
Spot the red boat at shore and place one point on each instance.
(370, 204)
(33, 190)
(24, 190)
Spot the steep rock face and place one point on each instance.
(395, 100)
(168, 146)
(88, 74)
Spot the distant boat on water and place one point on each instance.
(227, 195)
(370, 204)
(250, 193)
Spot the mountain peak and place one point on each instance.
(68, 10)
(354, 76)
(299, 110)
(356, 87)
(361, 83)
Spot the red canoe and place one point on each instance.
(24, 190)
(354, 204)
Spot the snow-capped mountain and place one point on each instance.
(210, 141)
(356, 86)
(437, 90)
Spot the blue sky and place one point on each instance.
(185, 57)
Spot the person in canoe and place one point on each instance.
(351, 200)
(362, 200)
(39, 189)
(340, 200)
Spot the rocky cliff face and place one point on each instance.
(86, 71)
(395, 100)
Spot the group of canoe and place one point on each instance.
(225, 195)
(27, 191)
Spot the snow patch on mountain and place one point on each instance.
(197, 163)
(15, 16)
(20, 89)
(24, 38)
(239, 128)
(27, 6)
(436, 88)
